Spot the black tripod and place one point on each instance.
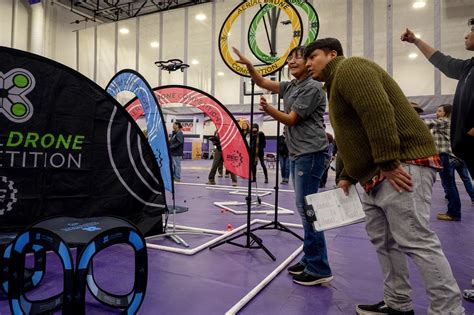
(275, 224)
(252, 240)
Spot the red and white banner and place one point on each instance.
(234, 148)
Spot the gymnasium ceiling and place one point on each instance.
(116, 10)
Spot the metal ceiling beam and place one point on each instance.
(116, 10)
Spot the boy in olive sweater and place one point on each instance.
(387, 149)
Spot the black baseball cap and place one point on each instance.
(470, 22)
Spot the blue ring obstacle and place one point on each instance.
(56, 235)
(19, 303)
(32, 276)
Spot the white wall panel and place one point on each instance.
(22, 25)
(6, 7)
(86, 52)
(105, 53)
(126, 49)
(149, 48)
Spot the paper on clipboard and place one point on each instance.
(332, 209)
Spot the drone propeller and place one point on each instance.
(175, 61)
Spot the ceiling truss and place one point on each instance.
(117, 10)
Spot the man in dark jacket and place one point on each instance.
(284, 159)
(258, 144)
(462, 117)
(218, 161)
(176, 150)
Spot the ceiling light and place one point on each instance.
(200, 17)
(419, 4)
(220, 73)
(194, 62)
(412, 55)
(155, 44)
(124, 30)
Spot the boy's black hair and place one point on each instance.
(178, 124)
(327, 44)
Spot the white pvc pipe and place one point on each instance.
(37, 28)
(224, 235)
(245, 193)
(249, 296)
(193, 251)
(226, 187)
(225, 205)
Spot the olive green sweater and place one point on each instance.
(374, 124)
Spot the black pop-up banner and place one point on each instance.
(68, 148)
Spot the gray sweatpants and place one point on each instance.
(398, 225)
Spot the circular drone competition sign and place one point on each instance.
(271, 63)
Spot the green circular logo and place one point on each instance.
(278, 63)
(19, 109)
(21, 80)
(313, 27)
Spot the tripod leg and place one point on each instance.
(173, 237)
(180, 239)
(275, 225)
(258, 240)
(283, 228)
(229, 240)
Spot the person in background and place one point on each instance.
(440, 128)
(461, 168)
(458, 164)
(305, 104)
(258, 144)
(385, 146)
(283, 159)
(329, 159)
(218, 161)
(462, 118)
(244, 126)
(176, 150)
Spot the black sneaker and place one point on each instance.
(307, 279)
(380, 308)
(296, 269)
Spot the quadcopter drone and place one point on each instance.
(172, 65)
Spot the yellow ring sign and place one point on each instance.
(264, 70)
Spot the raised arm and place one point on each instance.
(409, 36)
(259, 80)
(451, 67)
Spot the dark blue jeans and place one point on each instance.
(461, 168)
(447, 180)
(306, 172)
(284, 166)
